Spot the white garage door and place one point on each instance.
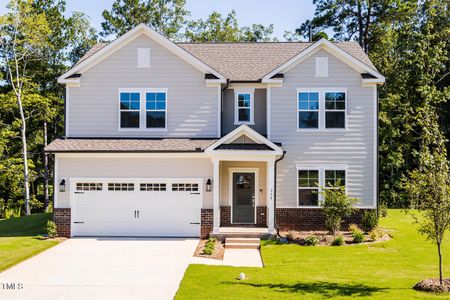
(136, 207)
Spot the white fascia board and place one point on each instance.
(333, 49)
(128, 37)
(241, 130)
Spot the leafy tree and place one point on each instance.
(348, 19)
(429, 188)
(165, 16)
(23, 37)
(336, 206)
(217, 28)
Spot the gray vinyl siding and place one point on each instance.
(192, 108)
(354, 147)
(259, 113)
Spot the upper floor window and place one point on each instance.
(130, 105)
(155, 109)
(308, 110)
(244, 107)
(321, 109)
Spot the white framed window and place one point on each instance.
(120, 186)
(157, 187)
(322, 109)
(143, 109)
(89, 186)
(321, 66)
(244, 106)
(185, 187)
(143, 57)
(310, 178)
(308, 110)
(130, 107)
(155, 109)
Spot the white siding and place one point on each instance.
(191, 106)
(132, 167)
(354, 147)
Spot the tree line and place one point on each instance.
(407, 40)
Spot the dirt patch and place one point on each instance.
(325, 239)
(219, 250)
(46, 238)
(433, 285)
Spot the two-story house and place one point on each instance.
(185, 139)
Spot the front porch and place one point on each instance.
(243, 184)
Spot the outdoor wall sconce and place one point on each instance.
(62, 185)
(209, 185)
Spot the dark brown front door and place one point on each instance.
(244, 198)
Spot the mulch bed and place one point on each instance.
(219, 250)
(433, 285)
(325, 239)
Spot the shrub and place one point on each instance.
(358, 237)
(51, 229)
(311, 240)
(369, 220)
(353, 227)
(209, 246)
(375, 234)
(338, 241)
(336, 206)
(383, 210)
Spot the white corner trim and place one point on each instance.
(334, 50)
(128, 37)
(67, 111)
(55, 182)
(268, 111)
(219, 111)
(375, 146)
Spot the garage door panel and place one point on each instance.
(159, 213)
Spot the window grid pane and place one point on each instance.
(308, 187)
(156, 109)
(333, 176)
(308, 110)
(129, 109)
(335, 104)
(244, 108)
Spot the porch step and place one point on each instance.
(242, 243)
(241, 232)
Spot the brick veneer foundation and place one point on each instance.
(61, 217)
(225, 217)
(207, 221)
(310, 218)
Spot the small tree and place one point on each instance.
(336, 206)
(429, 189)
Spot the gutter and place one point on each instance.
(275, 195)
(221, 105)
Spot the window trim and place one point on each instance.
(321, 169)
(238, 92)
(335, 110)
(142, 111)
(130, 110)
(146, 110)
(311, 110)
(322, 110)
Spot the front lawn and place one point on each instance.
(18, 239)
(386, 270)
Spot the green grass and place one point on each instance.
(386, 270)
(18, 239)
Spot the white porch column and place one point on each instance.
(270, 196)
(216, 195)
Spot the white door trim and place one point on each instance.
(231, 171)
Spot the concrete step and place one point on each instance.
(243, 240)
(224, 235)
(241, 246)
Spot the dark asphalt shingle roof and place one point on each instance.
(244, 147)
(250, 61)
(129, 145)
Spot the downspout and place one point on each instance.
(221, 104)
(275, 194)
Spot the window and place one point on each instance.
(89, 186)
(308, 110)
(129, 109)
(143, 60)
(244, 107)
(321, 108)
(332, 177)
(188, 187)
(153, 187)
(120, 186)
(334, 110)
(321, 66)
(308, 187)
(155, 109)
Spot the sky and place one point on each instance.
(283, 14)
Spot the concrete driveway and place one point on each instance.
(102, 268)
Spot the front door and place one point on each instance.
(244, 198)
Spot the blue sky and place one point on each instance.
(284, 14)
